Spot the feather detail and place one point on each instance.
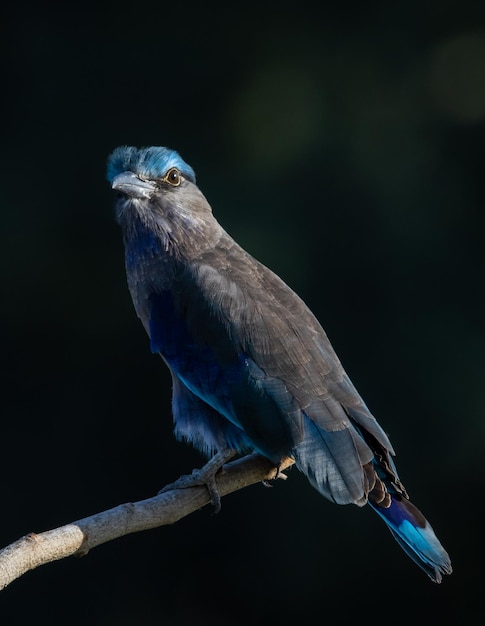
(415, 536)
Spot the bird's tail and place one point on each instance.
(415, 536)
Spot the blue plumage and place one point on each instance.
(149, 163)
(415, 535)
(252, 368)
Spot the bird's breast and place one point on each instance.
(194, 345)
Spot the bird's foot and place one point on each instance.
(278, 474)
(205, 476)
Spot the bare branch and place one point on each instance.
(79, 537)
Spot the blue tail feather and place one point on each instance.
(415, 536)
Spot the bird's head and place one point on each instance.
(157, 192)
(138, 172)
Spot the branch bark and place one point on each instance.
(77, 538)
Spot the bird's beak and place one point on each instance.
(130, 185)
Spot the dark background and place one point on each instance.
(341, 146)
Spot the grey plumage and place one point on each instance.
(252, 367)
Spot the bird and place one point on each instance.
(252, 369)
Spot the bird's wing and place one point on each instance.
(291, 361)
(272, 326)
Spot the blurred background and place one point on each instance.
(343, 147)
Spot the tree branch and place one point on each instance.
(79, 537)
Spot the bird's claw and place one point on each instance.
(206, 476)
(278, 474)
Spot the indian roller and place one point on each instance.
(252, 368)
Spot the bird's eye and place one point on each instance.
(173, 177)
